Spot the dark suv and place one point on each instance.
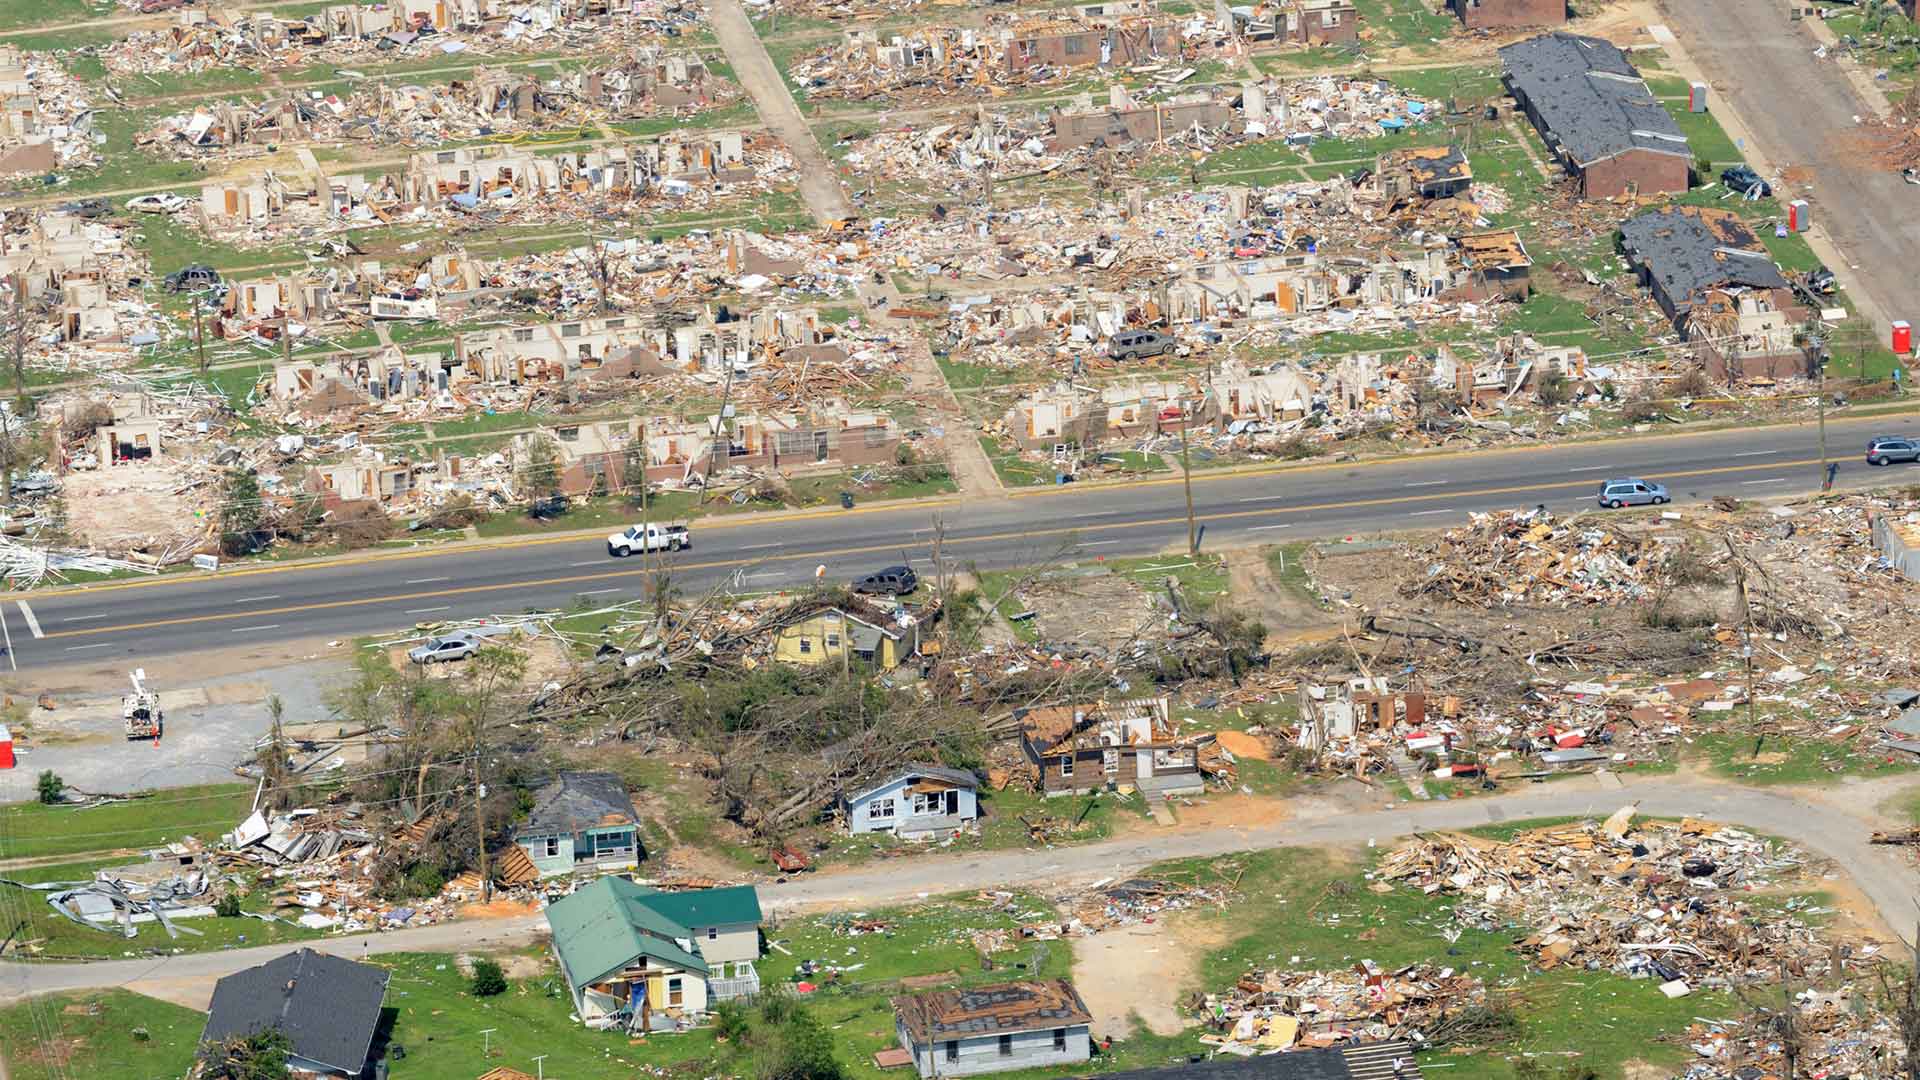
(893, 581)
(1887, 449)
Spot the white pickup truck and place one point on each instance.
(661, 536)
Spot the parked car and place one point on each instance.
(1743, 179)
(893, 581)
(1887, 449)
(455, 646)
(163, 203)
(1133, 344)
(1632, 491)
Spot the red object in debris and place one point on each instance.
(6, 748)
(789, 860)
(1568, 740)
(805, 988)
(1465, 770)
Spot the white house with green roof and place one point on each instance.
(647, 960)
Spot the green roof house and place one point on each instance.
(646, 960)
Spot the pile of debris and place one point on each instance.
(1115, 902)
(1843, 1031)
(647, 82)
(1530, 557)
(204, 39)
(47, 121)
(1648, 900)
(1268, 1011)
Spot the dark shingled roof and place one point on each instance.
(327, 1007)
(579, 800)
(1369, 1061)
(1002, 1009)
(1590, 98)
(1690, 248)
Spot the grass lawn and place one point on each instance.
(101, 1036)
(883, 482)
(1202, 580)
(1708, 140)
(1778, 759)
(1467, 82)
(1410, 23)
(32, 830)
(439, 1023)
(923, 940)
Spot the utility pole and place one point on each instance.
(1186, 481)
(480, 812)
(200, 335)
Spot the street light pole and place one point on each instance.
(1186, 481)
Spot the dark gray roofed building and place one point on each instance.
(1597, 115)
(328, 1008)
(581, 821)
(1682, 251)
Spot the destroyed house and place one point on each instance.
(1520, 364)
(1596, 114)
(548, 352)
(469, 176)
(367, 477)
(644, 960)
(1358, 1061)
(1745, 333)
(1424, 172)
(914, 802)
(983, 1029)
(1124, 121)
(1496, 265)
(1070, 43)
(581, 821)
(590, 457)
(327, 1007)
(1359, 705)
(1510, 14)
(132, 431)
(1682, 251)
(1066, 414)
(1128, 743)
(1316, 22)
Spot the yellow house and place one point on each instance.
(827, 634)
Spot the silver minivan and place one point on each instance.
(1631, 491)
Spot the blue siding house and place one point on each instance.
(581, 821)
(915, 802)
(982, 1029)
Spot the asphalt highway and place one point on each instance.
(377, 593)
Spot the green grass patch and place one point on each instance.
(1461, 83)
(105, 1033)
(1202, 579)
(922, 940)
(204, 811)
(1412, 24)
(1710, 143)
(1779, 759)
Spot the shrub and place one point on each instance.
(488, 978)
(228, 906)
(49, 787)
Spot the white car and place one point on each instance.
(662, 536)
(156, 204)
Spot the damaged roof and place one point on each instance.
(1430, 164)
(1692, 248)
(326, 1006)
(941, 775)
(1590, 97)
(1501, 250)
(1001, 1009)
(580, 800)
(1050, 728)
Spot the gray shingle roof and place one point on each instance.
(328, 1007)
(1688, 248)
(579, 800)
(1591, 99)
